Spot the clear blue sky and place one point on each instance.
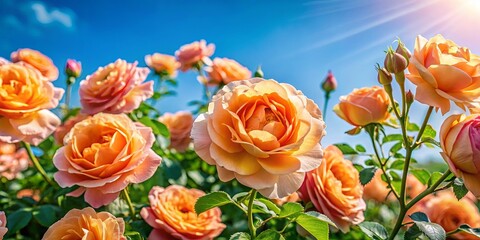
(294, 41)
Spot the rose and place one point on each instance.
(263, 133)
(179, 124)
(459, 139)
(378, 190)
(37, 60)
(73, 68)
(172, 215)
(12, 161)
(63, 129)
(444, 72)
(29, 193)
(102, 155)
(334, 189)
(116, 88)
(163, 64)
(87, 224)
(364, 106)
(224, 70)
(3, 224)
(190, 54)
(25, 99)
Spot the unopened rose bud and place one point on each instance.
(402, 50)
(384, 77)
(395, 62)
(259, 72)
(409, 98)
(73, 68)
(330, 83)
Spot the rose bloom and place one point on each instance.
(364, 106)
(290, 198)
(12, 163)
(87, 224)
(190, 54)
(163, 64)
(179, 124)
(102, 155)
(25, 99)
(116, 88)
(63, 129)
(172, 215)
(334, 189)
(444, 72)
(378, 190)
(460, 142)
(3, 224)
(31, 193)
(263, 133)
(3, 61)
(224, 70)
(37, 60)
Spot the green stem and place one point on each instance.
(129, 202)
(327, 98)
(422, 128)
(37, 165)
(67, 96)
(251, 226)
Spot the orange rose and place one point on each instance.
(190, 54)
(102, 155)
(172, 215)
(118, 87)
(364, 106)
(87, 224)
(179, 124)
(3, 224)
(377, 189)
(224, 70)
(444, 72)
(163, 64)
(334, 189)
(414, 186)
(263, 133)
(459, 139)
(25, 99)
(290, 198)
(63, 129)
(31, 193)
(38, 61)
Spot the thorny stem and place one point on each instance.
(253, 231)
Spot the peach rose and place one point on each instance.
(263, 133)
(31, 193)
(116, 88)
(87, 224)
(334, 189)
(12, 163)
(364, 106)
(63, 129)
(163, 64)
(444, 72)
(179, 124)
(3, 61)
(290, 198)
(3, 224)
(224, 70)
(460, 142)
(102, 155)
(172, 215)
(38, 61)
(190, 54)
(25, 99)
(414, 186)
(377, 189)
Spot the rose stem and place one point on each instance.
(253, 231)
(129, 202)
(37, 164)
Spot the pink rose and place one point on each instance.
(179, 124)
(102, 155)
(460, 142)
(12, 161)
(190, 54)
(63, 129)
(116, 88)
(224, 70)
(3, 224)
(73, 68)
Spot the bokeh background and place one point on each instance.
(294, 41)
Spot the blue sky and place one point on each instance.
(295, 41)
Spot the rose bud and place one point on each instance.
(73, 68)
(395, 62)
(330, 83)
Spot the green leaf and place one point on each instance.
(398, 164)
(321, 217)
(395, 176)
(434, 178)
(360, 148)
(132, 235)
(367, 174)
(422, 175)
(459, 188)
(432, 230)
(272, 206)
(46, 215)
(157, 127)
(429, 132)
(346, 149)
(392, 137)
(315, 226)
(412, 127)
(270, 234)
(419, 217)
(466, 228)
(431, 141)
(396, 147)
(374, 230)
(290, 209)
(18, 220)
(240, 236)
(211, 200)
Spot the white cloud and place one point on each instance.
(55, 15)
